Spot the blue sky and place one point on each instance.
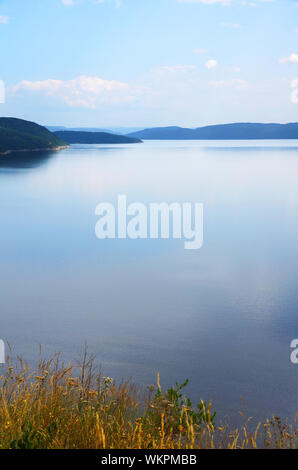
(149, 62)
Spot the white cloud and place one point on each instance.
(83, 91)
(293, 58)
(67, 2)
(4, 19)
(211, 64)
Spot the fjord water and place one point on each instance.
(222, 316)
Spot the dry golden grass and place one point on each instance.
(62, 406)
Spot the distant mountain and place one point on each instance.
(56, 128)
(18, 135)
(76, 137)
(78, 129)
(234, 131)
(164, 133)
(111, 130)
(124, 130)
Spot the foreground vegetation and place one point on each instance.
(63, 406)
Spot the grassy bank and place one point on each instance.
(63, 406)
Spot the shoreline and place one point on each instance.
(55, 149)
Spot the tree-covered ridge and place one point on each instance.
(17, 135)
(83, 137)
(234, 131)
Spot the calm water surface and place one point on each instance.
(223, 316)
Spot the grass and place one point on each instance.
(61, 406)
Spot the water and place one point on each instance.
(222, 316)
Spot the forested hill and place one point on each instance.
(222, 132)
(19, 135)
(77, 137)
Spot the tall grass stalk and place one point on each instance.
(61, 406)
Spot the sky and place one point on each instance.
(149, 63)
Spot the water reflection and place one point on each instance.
(25, 160)
(223, 316)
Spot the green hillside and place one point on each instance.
(79, 137)
(17, 135)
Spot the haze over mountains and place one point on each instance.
(19, 135)
(110, 130)
(233, 131)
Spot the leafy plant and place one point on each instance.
(175, 413)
